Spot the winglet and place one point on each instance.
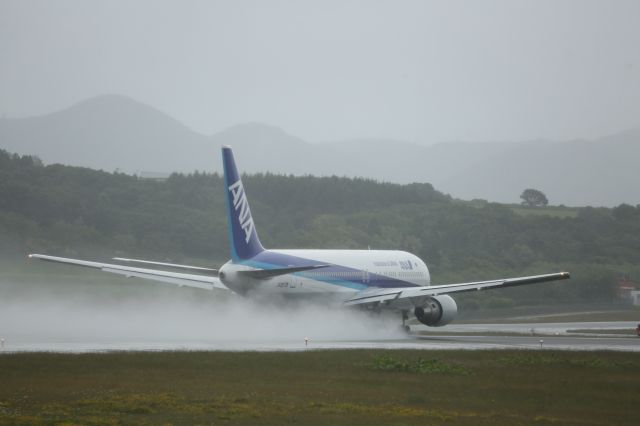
(243, 237)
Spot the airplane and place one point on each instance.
(375, 280)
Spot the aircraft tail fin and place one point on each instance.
(243, 236)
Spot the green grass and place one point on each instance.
(552, 211)
(520, 210)
(321, 387)
(608, 332)
(621, 315)
(616, 331)
(630, 314)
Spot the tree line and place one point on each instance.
(76, 211)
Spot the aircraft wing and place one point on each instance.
(375, 295)
(175, 278)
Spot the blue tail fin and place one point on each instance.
(243, 236)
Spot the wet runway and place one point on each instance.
(538, 327)
(548, 336)
(536, 342)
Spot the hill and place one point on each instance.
(108, 132)
(597, 172)
(81, 212)
(117, 133)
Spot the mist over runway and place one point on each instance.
(53, 322)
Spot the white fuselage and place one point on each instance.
(346, 273)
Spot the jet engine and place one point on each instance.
(436, 311)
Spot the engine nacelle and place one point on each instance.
(437, 311)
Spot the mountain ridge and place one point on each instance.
(114, 132)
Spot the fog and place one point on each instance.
(428, 91)
(330, 70)
(47, 319)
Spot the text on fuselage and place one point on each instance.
(240, 202)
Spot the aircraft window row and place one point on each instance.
(358, 275)
(411, 274)
(404, 274)
(324, 274)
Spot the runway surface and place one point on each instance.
(548, 336)
(539, 327)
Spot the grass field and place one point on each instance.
(321, 387)
(610, 331)
(552, 211)
(509, 317)
(519, 209)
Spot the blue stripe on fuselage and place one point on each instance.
(272, 260)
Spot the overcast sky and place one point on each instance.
(421, 71)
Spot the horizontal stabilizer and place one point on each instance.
(170, 265)
(263, 274)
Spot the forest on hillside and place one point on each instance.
(73, 211)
